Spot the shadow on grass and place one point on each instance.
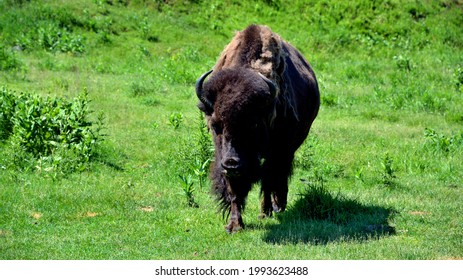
(318, 217)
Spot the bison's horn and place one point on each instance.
(199, 89)
(271, 85)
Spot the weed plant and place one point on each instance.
(196, 158)
(175, 119)
(188, 189)
(440, 143)
(389, 172)
(7, 111)
(8, 60)
(55, 132)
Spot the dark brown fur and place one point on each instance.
(256, 131)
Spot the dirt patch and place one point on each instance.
(5, 233)
(421, 213)
(147, 209)
(90, 214)
(36, 215)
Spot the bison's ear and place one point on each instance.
(205, 108)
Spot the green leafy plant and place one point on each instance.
(188, 190)
(441, 143)
(7, 109)
(458, 74)
(403, 62)
(204, 149)
(55, 132)
(388, 170)
(305, 155)
(196, 155)
(359, 174)
(9, 61)
(330, 100)
(200, 169)
(145, 28)
(138, 89)
(52, 37)
(175, 119)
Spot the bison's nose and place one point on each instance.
(231, 165)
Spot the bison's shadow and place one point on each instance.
(318, 218)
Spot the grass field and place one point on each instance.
(380, 176)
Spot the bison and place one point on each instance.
(259, 101)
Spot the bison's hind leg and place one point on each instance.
(276, 171)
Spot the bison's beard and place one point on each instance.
(226, 188)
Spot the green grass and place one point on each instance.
(380, 176)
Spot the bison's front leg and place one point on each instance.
(236, 221)
(238, 189)
(231, 193)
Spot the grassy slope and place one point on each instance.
(386, 73)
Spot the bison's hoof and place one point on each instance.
(277, 208)
(261, 216)
(264, 215)
(234, 227)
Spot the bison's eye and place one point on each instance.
(217, 128)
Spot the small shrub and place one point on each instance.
(144, 50)
(203, 151)
(104, 37)
(431, 103)
(54, 132)
(179, 67)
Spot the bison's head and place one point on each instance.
(238, 104)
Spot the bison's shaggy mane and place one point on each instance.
(263, 51)
(256, 47)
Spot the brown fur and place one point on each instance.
(258, 48)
